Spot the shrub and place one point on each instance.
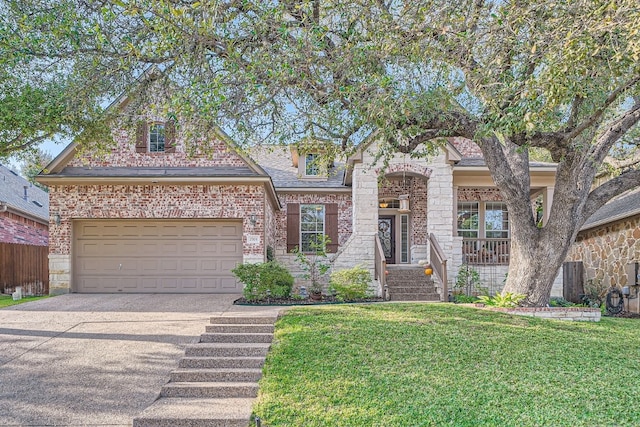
(506, 300)
(350, 284)
(264, 280)
(464, 299)
(560, 302)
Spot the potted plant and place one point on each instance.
(314, 264)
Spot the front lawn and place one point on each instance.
(436, 364)
(7, 300)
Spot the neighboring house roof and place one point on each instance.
(276, 161)
(623, 206)
(34, 205)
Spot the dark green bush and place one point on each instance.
(268, 279)
(350, 284)
(464, 299)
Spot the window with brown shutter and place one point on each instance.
(301, 239)
(293, 226)
(170, 136)
(141, 137)
(331, 226)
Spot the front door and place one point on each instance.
(386, 232)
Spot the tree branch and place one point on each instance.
(571, 133)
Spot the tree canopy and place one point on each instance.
(562, 76)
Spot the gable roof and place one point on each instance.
(277, 162)
(623, 206)
(12, 196)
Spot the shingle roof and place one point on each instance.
(623, 206)
(12, 192)
(151, 172)
(276, 161)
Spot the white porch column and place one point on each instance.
(547, 200)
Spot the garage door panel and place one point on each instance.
(189, 266)
(156, 255)
(228, 283)
(230, 248)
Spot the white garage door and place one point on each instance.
(164, 256)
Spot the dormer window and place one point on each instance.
(311, 164)
(156, 138)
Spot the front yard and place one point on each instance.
(435, 364)
(7, 300)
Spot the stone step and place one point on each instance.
(176, 412)
(408, 289)
(238, 320)
(237, 338)
(209, 389)
(221, 362)
(414, 297)
(240, 329)
(216, 375)
(227, 350)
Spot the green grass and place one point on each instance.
(446, 365)
(7, 300)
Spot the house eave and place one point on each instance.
(5, 207)
(610, 220)
(313, 190)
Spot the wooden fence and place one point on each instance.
(26, 266)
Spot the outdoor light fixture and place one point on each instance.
(57, 219)
(404, 203)
(252, 220)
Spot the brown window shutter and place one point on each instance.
(141, 137)
(331, 226)
(293, 226)
(170, 136)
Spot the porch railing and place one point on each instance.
(486, 251)
(380, 265)
(438, 264)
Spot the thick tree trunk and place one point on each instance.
(534, 264)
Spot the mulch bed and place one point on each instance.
(625, 314)
(326, 299)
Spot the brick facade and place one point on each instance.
(18, 229)
(416, 188)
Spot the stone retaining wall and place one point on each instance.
(578, 314)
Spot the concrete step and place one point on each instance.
(216, 375)
(227, 350)
(221, 362)
(233, 320)
(176, 412)
(209, 389)
(237, 338)
(240, 329)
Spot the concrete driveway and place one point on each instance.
(96, 360)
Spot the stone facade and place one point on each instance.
(15, 228)
(607, 250)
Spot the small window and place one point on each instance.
(312, 164)
(468, 219)
(156, 138)
(312, 220)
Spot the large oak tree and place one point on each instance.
(561, 76)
